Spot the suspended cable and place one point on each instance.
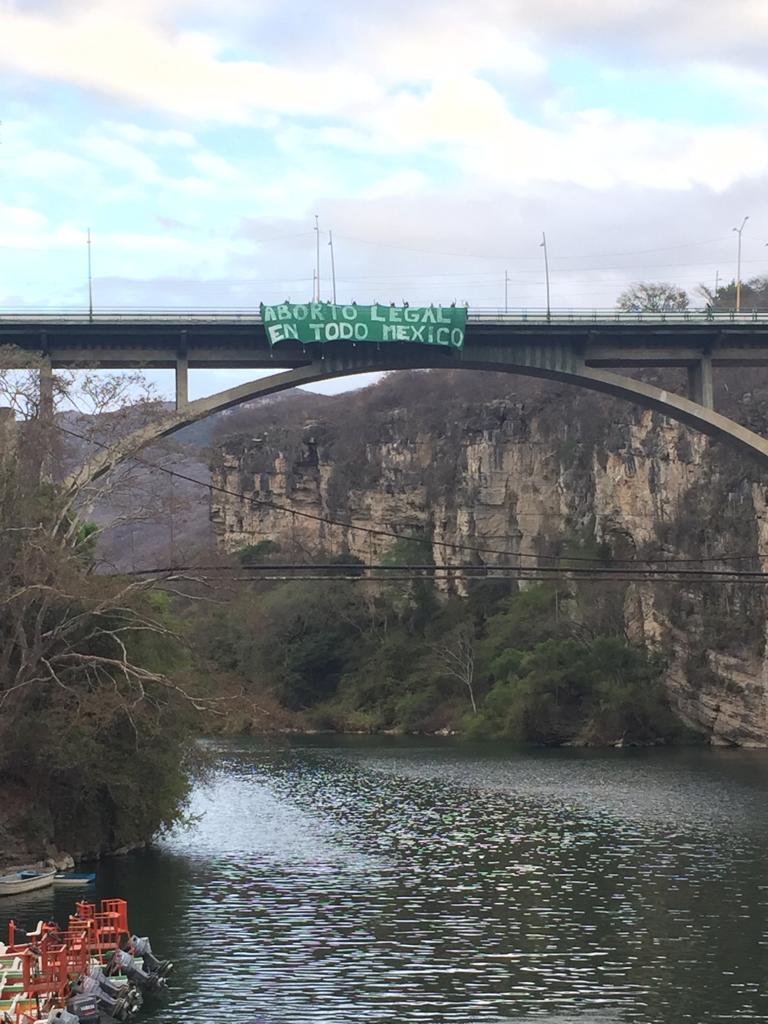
(462, 567)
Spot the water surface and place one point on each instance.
(434, 882)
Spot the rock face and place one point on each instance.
(487, 476)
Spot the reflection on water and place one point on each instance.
(413, 881)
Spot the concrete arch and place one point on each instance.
(684, 410)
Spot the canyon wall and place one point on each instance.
(499, 468)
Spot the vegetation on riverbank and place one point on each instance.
(98, 706)
(538, 666)
(95, 728)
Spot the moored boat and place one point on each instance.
(25, 881)
(92, 971)
(74, 878)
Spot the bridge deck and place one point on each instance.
(236, 338)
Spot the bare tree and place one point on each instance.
(457, 658)
(60, 624)
(653, 297)
(99, 698)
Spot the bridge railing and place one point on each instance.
(476, 314)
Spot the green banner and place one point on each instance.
(311, 322)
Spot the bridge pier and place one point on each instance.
(701, 387)
(45, 384)
(182, 382)
(45, 414)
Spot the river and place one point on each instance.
(329, 881)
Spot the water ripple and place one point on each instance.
(410, 882)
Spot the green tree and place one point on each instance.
(754, 296)
(261, 551)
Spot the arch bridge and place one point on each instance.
(588, 349)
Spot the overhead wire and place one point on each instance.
(607, 572)
(376, 243)
(367, 573)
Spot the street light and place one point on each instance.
(90, 279)
(316, 282)
(543, 245)
(333, 265)
(738, 265)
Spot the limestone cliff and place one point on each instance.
(486, 474)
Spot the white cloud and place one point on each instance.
(17, 218)
(436, 43)
(150, 137)
(408, 85)
(122, 156)
(468, 124)
(670, 31)
(404, 182)
(109, 50)
(747, 85)
(215, 167)
(155, 54)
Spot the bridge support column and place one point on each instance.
(182, 381)
(701, 387)
(45, 411)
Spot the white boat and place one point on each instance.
(25, 881)
(74, 878)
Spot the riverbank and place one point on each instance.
(28, 836)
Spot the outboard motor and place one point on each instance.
(116, 990)
(84, 1008)
(60, 1016)
(143, 947)
(124, 963)
(119, 1007)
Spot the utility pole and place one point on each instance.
(333, 265)
(738, 265)
(543, 246)
(317, 257)
(90, 281)
(506, 291)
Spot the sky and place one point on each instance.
(435, 140)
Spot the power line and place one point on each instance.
(502, 257)
(307, 572)
(337, 568)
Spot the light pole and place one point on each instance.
(506, 291)
(543, 245)
(90, 281)
(738, 265)
(317, 255)
(333, 265)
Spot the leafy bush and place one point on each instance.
(254, 553)
(362, 660)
